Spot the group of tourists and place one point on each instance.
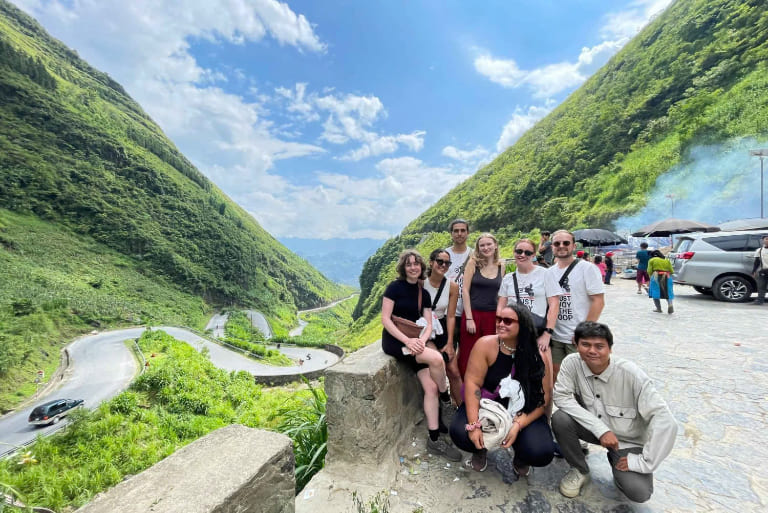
(502, 348)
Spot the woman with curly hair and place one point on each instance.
(401, 299)
(482, 279)
(511, 352)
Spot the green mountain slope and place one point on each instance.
(76, 149)
(695, 75)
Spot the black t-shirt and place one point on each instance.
(406, 299)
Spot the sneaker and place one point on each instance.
(440, 446)
(479, 461)
(670, 309)
(521, 469)
(571, 484)
(657, 310)
(639, 291)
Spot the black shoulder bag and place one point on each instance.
(539, 322)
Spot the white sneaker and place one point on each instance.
(571, 484)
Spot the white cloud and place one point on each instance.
(467, 156)
(399, 191)
(299, 102)
(521, 121)
(625, 24)
(551, 79)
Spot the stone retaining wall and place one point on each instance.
(373, 407)
(373, 404)
(284, 379)
(233, 469)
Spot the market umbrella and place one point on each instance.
(745, 224)
(671, 226)
(598, 237)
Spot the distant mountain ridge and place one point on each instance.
(76, 149)
(341, 260)
(695, 75)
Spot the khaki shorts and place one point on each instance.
(560, 350)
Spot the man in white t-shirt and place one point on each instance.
(459, 253)
(760, 271)
(581, 296)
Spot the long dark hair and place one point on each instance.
(529, 367)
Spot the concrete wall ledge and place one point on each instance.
(233, 469)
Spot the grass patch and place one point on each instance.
(57, 285)
(240, 332)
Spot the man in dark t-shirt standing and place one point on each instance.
(545, 248)
(642, 257)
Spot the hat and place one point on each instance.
(610, 253)
(579, 253)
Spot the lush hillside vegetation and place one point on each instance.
(77, 150)
(695, 75)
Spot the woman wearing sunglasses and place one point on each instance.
(482, 279)
(511, 352)
(445, 296)
(537, 290)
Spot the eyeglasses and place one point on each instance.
(521, 251)
(508, 321)
(440, 261)
(559, 243)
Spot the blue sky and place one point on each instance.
(344, 119)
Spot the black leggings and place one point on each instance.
(533, 446)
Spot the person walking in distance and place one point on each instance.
(760, 271)
(642, 256)
(612, 402)
(581, 292)
(661, 284)
(459, 253)
(545, 248)
(608, 268)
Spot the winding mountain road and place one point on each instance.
(102, 365)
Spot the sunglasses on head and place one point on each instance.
(508, 321)
(559, 243)
(521, 251)
(440, 261)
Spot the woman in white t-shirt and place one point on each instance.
(534, 286)
(445, 296)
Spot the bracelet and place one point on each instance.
(472, 426)
(470, 319)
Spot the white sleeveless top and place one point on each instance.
(442, 303)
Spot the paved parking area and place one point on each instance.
(709, 360)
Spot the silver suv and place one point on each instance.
(718, 263)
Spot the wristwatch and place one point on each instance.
(550, 331)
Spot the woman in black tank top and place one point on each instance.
(480, 291)
(511, 351)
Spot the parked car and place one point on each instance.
(718, 263)
(53, 411)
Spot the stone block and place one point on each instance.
(233, 469)
(373, 404)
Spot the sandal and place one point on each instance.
(479, 461)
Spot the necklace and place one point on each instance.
(505, 346)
